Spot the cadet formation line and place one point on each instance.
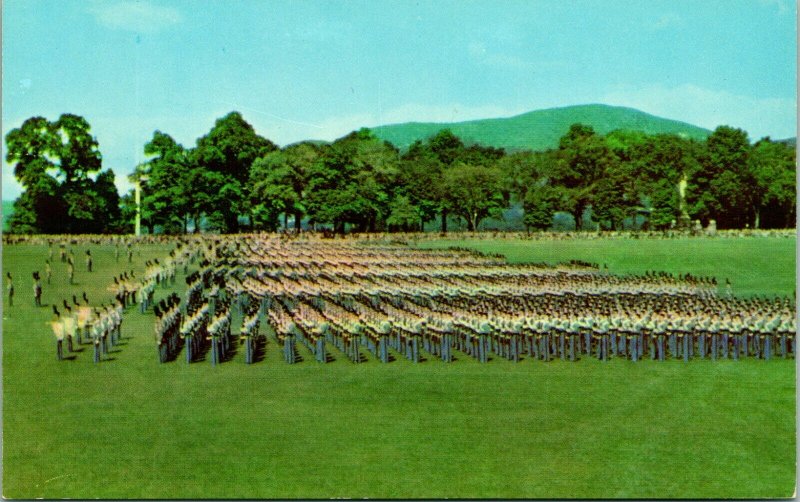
(347, 296)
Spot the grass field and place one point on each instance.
(130, 427)
(755, 266)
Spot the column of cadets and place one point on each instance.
(102, 326)
(365, 293)
(376, 297)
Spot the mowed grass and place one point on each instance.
(755, 266)
(130, 427)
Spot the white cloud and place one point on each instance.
(669, 20)
(709, 108)
(482, 55)
(135, 15)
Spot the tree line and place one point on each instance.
(234, 180)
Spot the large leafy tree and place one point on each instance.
(55, 162)
(167, 191)
(773, 191)
(420, 176)
(278, 181)
(353, 182)
(474, 192)
(583, 160)
(230, 149)
(718, 190)
(648, 175)
(451, 153)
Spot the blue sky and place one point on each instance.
(319, 69)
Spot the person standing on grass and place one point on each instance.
(96, 340)
(69, 326)
(58, 331)
(48, 271)
(37, 290)
(71, 271)
(10, 288)
(88, 260)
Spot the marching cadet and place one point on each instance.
(483, 333)
(632, 339)
(159, 335)
(735, 329)
(288, 344)
(765, 337)
(69, 326)
(702, 329)
(724, 337)
(187, 335)
(354, 335)
(71, 272)
(10, 289)
(784, 330)
(216, 330)
(597, 336)
(118, 311)
(659, 332)
(384, 331)
(58, 330)
(37, 290)
(319, 352)
(416, 333)
(96, 339)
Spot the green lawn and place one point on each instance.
(133, 428)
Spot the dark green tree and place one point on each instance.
(230, 149)
(353, 182)
(540, 205)
(474, 192)
(583, 160)
(773, 190)
(280, 178)
(403, 214)
(167, 191)
(420, 175)
(718, 189)
(54, 162)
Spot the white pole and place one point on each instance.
(138, 197)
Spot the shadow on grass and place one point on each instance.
(233, 349)
(260, 349)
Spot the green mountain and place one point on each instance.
(539, 129)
